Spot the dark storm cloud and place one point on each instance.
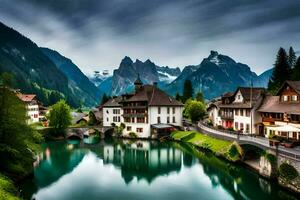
(171, 32)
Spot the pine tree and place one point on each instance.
(281, 71)
(292, 58)
(296, 71)
(187, 90)
(200, 97)
(178, 97)
(105, 98)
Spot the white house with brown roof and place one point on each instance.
(147, 112)
(32, 107)
(237, 110)
(281, 113)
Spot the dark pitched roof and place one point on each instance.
(113, 102)
(293, 84)
(228, 94)
(246, 92)
(154, 96)
(272, 104)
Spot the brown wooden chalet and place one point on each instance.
(282, 110)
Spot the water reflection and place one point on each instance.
(123, 169)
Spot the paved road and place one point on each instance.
(293, 153)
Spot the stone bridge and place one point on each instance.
(80, 133)
(289, 155)
(261, 142)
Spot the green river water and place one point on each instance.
(125, 169)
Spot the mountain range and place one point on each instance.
(215, 75)
(52, 76)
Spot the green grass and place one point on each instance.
(7, 189)
(217, 146)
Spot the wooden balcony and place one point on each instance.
(228, 116)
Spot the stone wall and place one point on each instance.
(294, 184)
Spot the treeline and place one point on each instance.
(286, 67)
(18, 140)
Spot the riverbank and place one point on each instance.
(231, 151)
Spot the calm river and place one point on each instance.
(123, 169)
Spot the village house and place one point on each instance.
(32, 107)
(237, 111)
(148, 112)
(281, 113)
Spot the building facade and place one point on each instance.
(237, 111)
(281, 113)
(32, 107)
(146, 112)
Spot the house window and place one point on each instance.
(127, 119)
(295, 135)
(236, 125)
(247, 128)
(107, 119)
(248, 113)
(294, 98)
(140, 120)
(168, 110)
(128, 128)
(132, 120)
(158, 110)
(173, 110)
(241, 126)
(139, 130)
(238, 97)
(285, 98)
(174, 121)
(107, 112)
(35, 116)
(168, 120)
(236, 112)
(241, 112)
(158, 120)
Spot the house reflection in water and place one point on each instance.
(142, 159)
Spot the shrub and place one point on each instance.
(113, 124)
(287, 171)
(123, 126)
(133, 135)
(271, 158)
(209, 123)
(119, 130)
(230, 129)
(235, 151)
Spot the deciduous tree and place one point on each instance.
(60, 116)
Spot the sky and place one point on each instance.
(97, 34)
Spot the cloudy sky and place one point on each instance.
(97, 34)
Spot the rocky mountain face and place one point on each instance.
(128, 71)
(215, 75)
(79, 84)
(33, 71)
(167, 74)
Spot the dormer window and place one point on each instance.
(238, 97)
(285, 98)
(294, 98)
